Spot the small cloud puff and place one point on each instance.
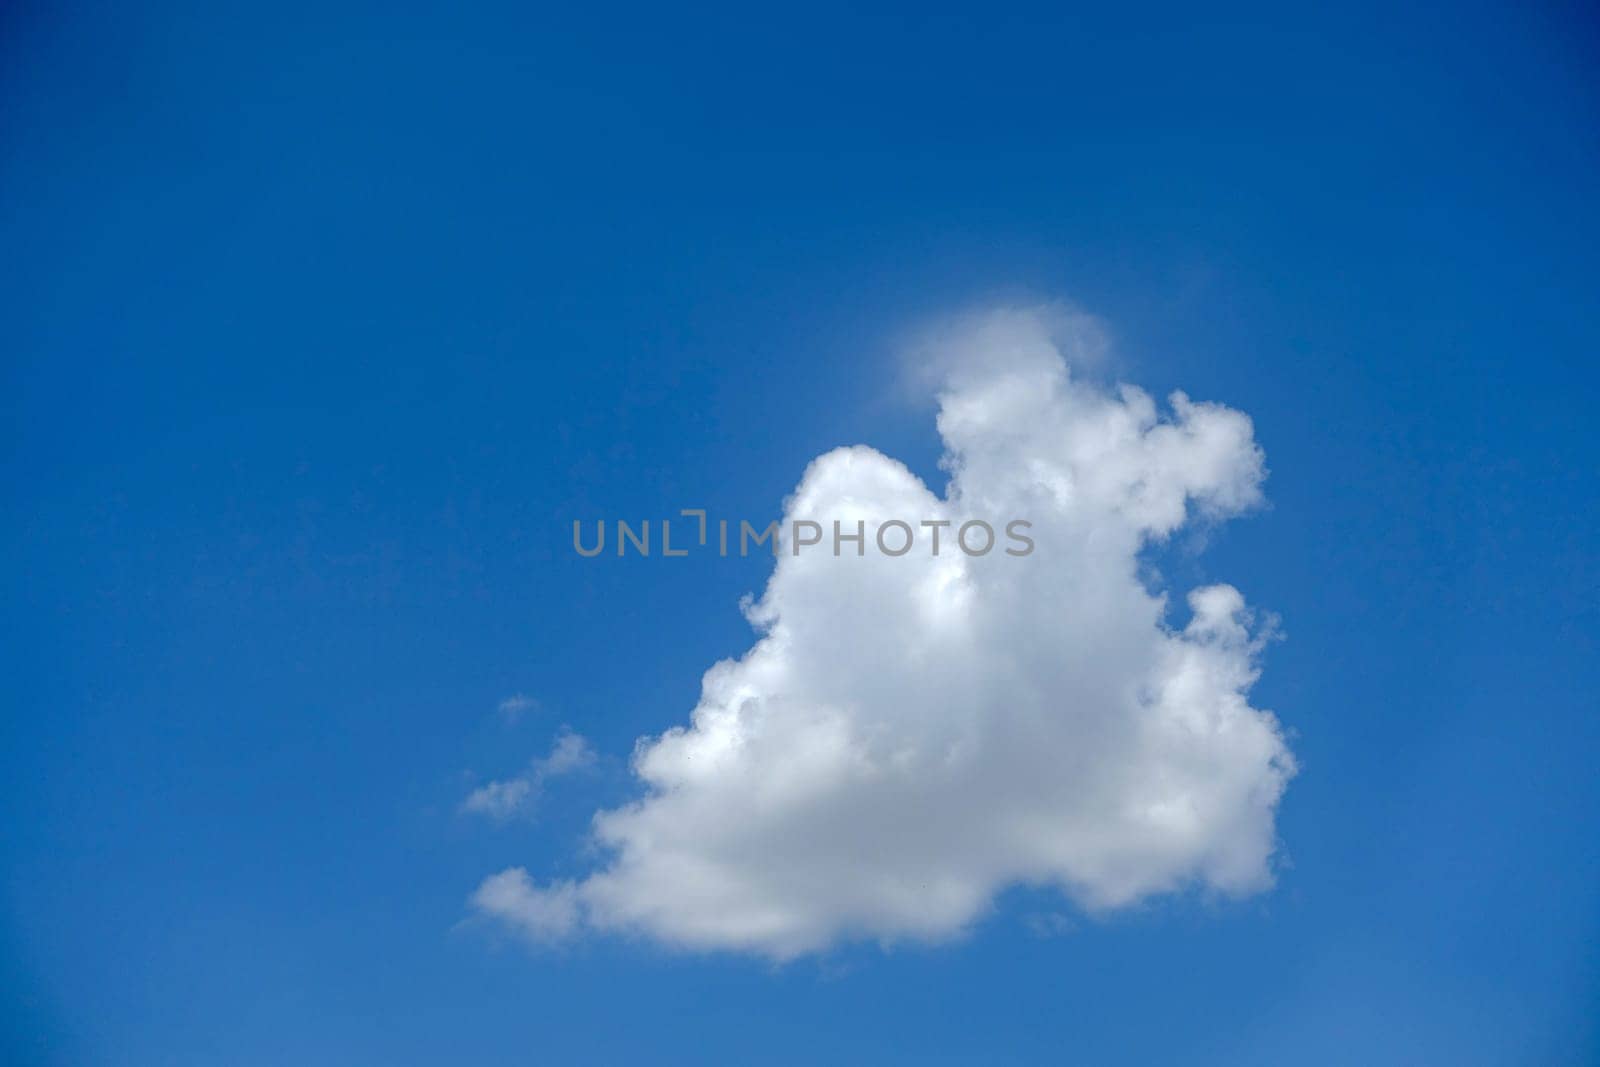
(501, 800)
(512, 708)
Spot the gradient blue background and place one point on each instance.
(319, 324)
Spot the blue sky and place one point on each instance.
(321, 324)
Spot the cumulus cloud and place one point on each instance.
(501, 800)
(909, 736)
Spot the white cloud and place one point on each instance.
(569, 753)
(514, 707)
(545, 914)
(500, 800)
(911, 735)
